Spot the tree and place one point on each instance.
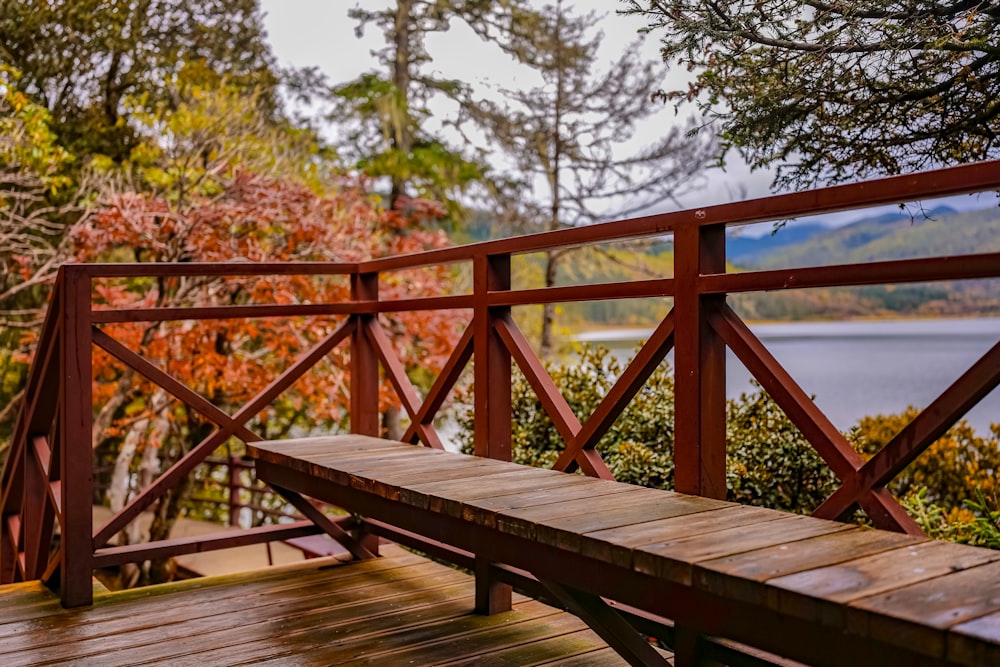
(81, 59)
(837, 90)
(565, 137)
(385, 114)
(190, 196)
(32, 175)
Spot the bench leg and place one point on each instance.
(608, 624)
(367, 539)
(492, 595)
(688, 647)
(311, 512)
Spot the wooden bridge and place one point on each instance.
(947, 613)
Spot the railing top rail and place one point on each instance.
(950, 181)
(229, 269)
(946, 182)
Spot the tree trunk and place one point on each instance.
(549, 309)
(401, 136)
(168, 508)
(118, 495)
(392, 423)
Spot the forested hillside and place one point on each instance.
(940, 231)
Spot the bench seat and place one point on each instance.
(816, 591)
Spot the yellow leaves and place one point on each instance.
(26, 142)
(953, 469)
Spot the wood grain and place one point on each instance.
(903, 616)
(742, 576)
(400, 606)
(894, 591)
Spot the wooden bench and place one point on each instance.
(815, 591)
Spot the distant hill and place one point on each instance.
(744, 250)
(941, 231)
(898, 235)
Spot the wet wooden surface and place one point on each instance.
(932, 599)
(400, 609)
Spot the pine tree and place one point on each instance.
(565, 137)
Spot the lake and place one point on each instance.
(861, 368)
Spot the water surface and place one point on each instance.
(861, 368)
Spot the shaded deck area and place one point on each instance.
(401, 609)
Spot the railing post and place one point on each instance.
(13, 508)
(491, 389)
(364, 380)
(700, 364)
(76, 448)
(364, 361)
(492, 434)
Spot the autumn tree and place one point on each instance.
(219, 184)
(833, 91)
(32, 176)
(82, 71)
(566, 137)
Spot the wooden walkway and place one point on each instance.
(398, 610)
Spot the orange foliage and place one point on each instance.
(258, 219)
(953, 469)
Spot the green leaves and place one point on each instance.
(838, 91)
(769, 462)
(27, 143)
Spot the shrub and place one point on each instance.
(638, 448)
(952, 471)
(768, 461)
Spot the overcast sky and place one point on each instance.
(318, 33)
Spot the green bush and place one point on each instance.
(768, 461)
(638, 448)
(978, 523)
(952, 471)
(952, 488)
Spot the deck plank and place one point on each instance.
(97, 639)
(966, 641)
(669, 553)
(616, 545)
(192, 596)
(676, 558)
(486, 511)
(903, 615)
(250, 638)
(742, 576)
(573, 644)
(823, 593)
(291, 615)
(480, 644)
(605, 657)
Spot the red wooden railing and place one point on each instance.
(48, 477)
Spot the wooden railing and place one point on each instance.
(47, 481)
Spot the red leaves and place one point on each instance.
(261, 219)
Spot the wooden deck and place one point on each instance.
(400, 609)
